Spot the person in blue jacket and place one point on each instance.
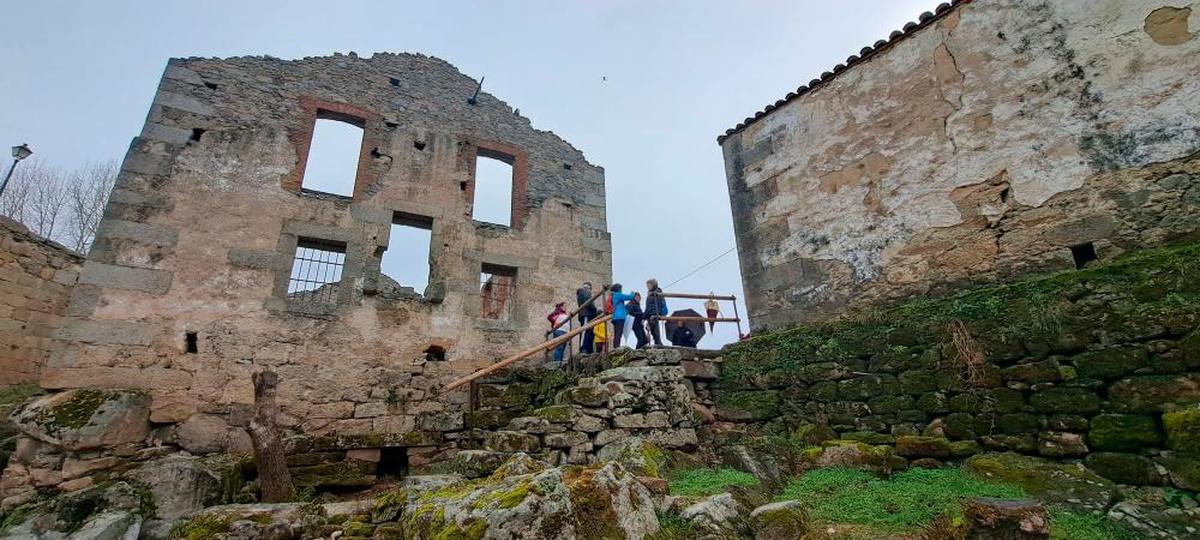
(620, 313)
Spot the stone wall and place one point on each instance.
(73, 440)
(185, 292)
(36, 276)
(1100, 366)
(983, 144)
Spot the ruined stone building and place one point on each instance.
(217, 259)
(990, 140)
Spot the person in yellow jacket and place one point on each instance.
(601, 341)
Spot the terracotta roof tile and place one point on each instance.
(925, 19)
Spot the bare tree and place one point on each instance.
(88, 193)
(63, 206)
(269, 456)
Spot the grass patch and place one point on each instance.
(708, 481)
(907, 502)
(1071, 525)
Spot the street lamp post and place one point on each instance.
(18, 153)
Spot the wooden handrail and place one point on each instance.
(527, 353)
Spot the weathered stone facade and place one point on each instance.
(36, 276)
(186, 290)
(982, 144)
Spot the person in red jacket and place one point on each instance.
(558, 326)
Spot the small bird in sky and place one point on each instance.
(603, 78)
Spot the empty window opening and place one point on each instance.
(196, 134)
(1083, 254)
(497, 291)
(333, 155)
(191, 343)
(393, 463)
(394, 81)
(210, 85)
(406, 260)
(316, 271)
(419, 145)
(493, 188)
(435, 353)
(567, 166)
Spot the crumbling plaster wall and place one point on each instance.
(36, 276)
(200, 233)
(978, 148)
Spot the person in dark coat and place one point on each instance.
(587, 313)
(638, 318)
(682, 336)
(656, 306)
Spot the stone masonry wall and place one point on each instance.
(1100, 366)
(185, 292)
(36, 276)
(981, 145)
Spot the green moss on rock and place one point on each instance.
(1066, 400)
(748, 405)
(1124, 468)
(1183, 430)
(919, 446)
(1123, 432)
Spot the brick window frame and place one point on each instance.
(517, 158)
(301, 137)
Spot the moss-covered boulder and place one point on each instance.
(1183, 470)
(1066, 400)
(1107, 364)
(86, 419)
(748, 405)
(1123, 432)
(851, 455)
(1183, 430)
(1124, 468)
(584, 502)
(1049, 481)
(635, 455)
(920, 446)
(785, 520)
(1155, 393)
(477, 463)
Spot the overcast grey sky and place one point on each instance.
(641, 87)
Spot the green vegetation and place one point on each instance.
(708, 481)
(75, 412)
(201, 527)
(16, 394)
(1160, 285)
(905, 503)
(673, 527)
(1071, 525)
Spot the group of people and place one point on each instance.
(626, 310)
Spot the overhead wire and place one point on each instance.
(701, 267)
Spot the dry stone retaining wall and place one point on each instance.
(1100, 366)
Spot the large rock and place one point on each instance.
(719, 515)
(784, 520)
(114, 525)
(477, 463)
(995, 519)
(86, 419)
(180, 486)
(1156, 520)
(635, 455)
(1048, 481)
(852, 455)
(607, 501)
